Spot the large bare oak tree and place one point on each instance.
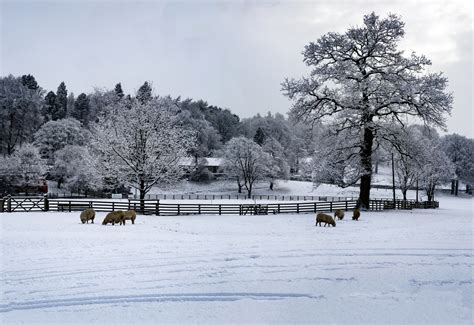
(360, 83)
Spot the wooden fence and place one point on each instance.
(206, 197)
(155, 207)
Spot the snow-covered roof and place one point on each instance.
(210, 161)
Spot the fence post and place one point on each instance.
(219, 209)
(157, 208)
(278, 208)
(330, 206)
(315, 208)
(9, 203)
(113, 206)
(346, 205)
(69, 206)
(179, 210)
(297, 208)
(199, 208)
(46, 203)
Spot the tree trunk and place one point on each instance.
(249, 190)
(271, 185)
(60, 181)
(430, 192)
(142, 196)
(404, 192)
(239, 185)
(366, 161)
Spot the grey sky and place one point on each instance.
(233, 54)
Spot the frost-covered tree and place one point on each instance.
(49, 106)
(437, 169)
(334, 159)
(409, 155)
(360, 83)
(29, 82)
(245, 160)
(208, 139)
(8, 165)
(118, 90)
(20, 113)
(101, 104)
(60, 108)
(55, 135)
(71, 100)
(259, 136)
(277, 166)
(145, 93)
(81, 109)
(461, 152)
(143, 143)
(28, 167)
(75, 167)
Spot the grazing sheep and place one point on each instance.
(327, 219)
(86, 215)
(338, 214)
(130, 215)
(356, 215)
(114, 217)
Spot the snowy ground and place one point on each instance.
(389, 267)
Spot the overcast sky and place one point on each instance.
(233, 54)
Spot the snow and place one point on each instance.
(389, 267)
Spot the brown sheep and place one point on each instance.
(130, 215)
(114, 217)
(338, 214)
(356, 214)
(327, 219)
(86, 215)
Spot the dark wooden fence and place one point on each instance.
(204, 197)
(155, 207)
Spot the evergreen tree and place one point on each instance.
(61, 103)
(20, 113)
(81, 109)
(29, 81)
(144, 93)
(49, 106)
(70, 103)
(259, 137)
(118, 90)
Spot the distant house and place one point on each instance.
(214, 165)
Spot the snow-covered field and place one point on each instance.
(405, 266)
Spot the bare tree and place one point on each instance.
(247, 161)
(143, 143)
(360, 83)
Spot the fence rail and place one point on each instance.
(207, 197)
(155, 207)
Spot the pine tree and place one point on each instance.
(81, 109)
(118, 90)
(29, 81)
(60, 111)
(144, 93)
(259, 137)
(49, 106)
